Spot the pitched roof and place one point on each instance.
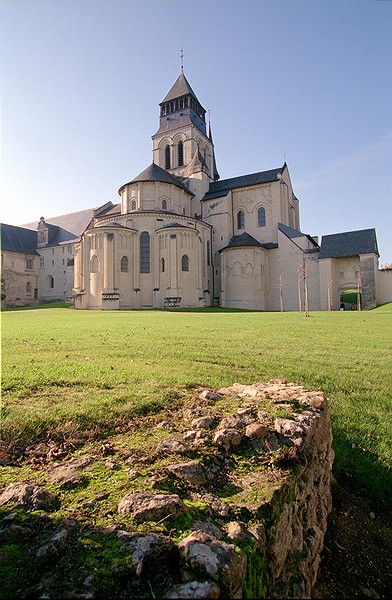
(349, 243)
(222, 187)
(245, 239)
(18, 239)
(289, 231)
(155, 173)
(180, 88)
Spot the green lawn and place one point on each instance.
(67, 372)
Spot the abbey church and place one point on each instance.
(182, 237)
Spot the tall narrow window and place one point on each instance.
(185, 263)
(144, 252)
(162, 265)
(164, 204)
(180, 153)
(240, 219)
(167, 157)
(49, 282)
(208, 253)
(261, 217)
(94, 267)
(124, 265)
(28, 288)
(133, 205)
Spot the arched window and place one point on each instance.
(164, 204)
(240, 219)
(185, 263)
(28, 287)
(261, 217)
(124, 265)
(180, 153)
(49, 282)
(133, 205)
(144, 252)
(94, 267)
(167, 157)
(162, 265)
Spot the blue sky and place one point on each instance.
(306, 82)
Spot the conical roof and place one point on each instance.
(155, 173)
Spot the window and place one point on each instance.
(208, 253)
(164, 204)
(180, 153)
(167, 157)
(94, 268)
(124, 265)
(185, 263)
(28, 288)
(162, 265)
(261, 217)
(240, 219)
(29, 263)
(41, 263)
(133, 205)
(49, 282)
(144, 252)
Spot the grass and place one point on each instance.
(86, 373)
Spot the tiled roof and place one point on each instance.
(18, 239)
(221, 188)
(156, 173)
(349, 243)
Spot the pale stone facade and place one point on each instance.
(181, 237)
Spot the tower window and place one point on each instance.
(124, 265)
(144, 252)
(167, 157)
(261, 217)
(180, 153)
(133, 205)
(185, 263)
(162, 265)
(240, 219)
(164, 204)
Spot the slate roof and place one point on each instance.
(66, 228)
(221, 188)
(290, 232)
(349, 243)
(155, 173)
(245, 239)
(18, 239)
(181, 87)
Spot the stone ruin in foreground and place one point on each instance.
(245, 470)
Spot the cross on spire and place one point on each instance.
(182, 60)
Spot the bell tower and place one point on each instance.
(181, 145)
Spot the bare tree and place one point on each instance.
(330, 294)
(359, 307)
(281, 283)
(299, 278)
(304, 271)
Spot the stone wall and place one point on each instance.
(240, 477)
